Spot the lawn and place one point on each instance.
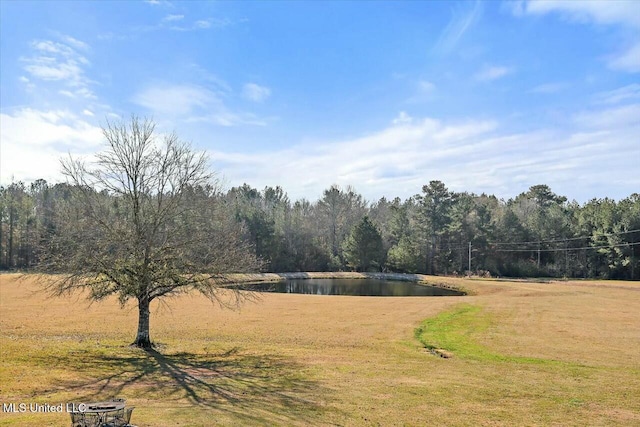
(523, 353)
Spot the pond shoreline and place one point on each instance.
(250, 278)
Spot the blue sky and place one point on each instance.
(385, 96)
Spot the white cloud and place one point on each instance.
(492, 72)
(200, 24)
(393, 161)
(53, 61)
(175, 22)
(203, 24)
(628, 61)
(171, 18)
(471, 155)
(464, 131)
(424, 91)
(175, 100)
(255, 92)
(80, 93)
(33, 141)
(625, 93)
(88, 113)
(623, 116)
(549, 88)
(47, 68)
(226, 118)
(460, 22)
(474, 155)
(618, 13)
(426, 86)
(194, 103)
(84, 92)
(598, 12)
(403, 118)
(214, 80)
(110, 35)
(78, 44)
(52, 47)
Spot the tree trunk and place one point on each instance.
(142, 338)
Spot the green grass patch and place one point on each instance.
(453, 331)
(456, 331)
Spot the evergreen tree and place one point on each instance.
(363, 248)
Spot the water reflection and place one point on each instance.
(362, 287)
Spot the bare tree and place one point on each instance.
(144, 221)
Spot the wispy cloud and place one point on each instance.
(473, 155)
(402, 119)
(628, 60)
(255, 92)
(175, 100)
(173, 18)
(110, 35)
(626, 93)
(201, 24)
(53, 61)
(180, 23)
(425, 86)
(423, 91)
(226, 118)
(547, 88)
(77, 44)
(610, 118)
(202, 74)
(394, 161)
(597, 12)
(32, 140)
(620, 13)
(463, 18)
(159, 3)
(492, 72)
(192, 103)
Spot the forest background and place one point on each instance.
(441, 232)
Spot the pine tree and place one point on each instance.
(363, 249)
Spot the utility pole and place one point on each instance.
(634, 257)
(566, 258)
(538, 255)
(469, 258)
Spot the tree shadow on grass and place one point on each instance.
(252, 388)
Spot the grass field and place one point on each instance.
(524, 353)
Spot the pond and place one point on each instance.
(362, 287)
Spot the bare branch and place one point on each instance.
(144, 222)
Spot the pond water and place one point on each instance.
(363, 287)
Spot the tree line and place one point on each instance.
(146, 220)
(438, 231)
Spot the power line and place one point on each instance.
(565, 239)
(443, 245)
(569, 249)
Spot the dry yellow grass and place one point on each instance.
(562, 353)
